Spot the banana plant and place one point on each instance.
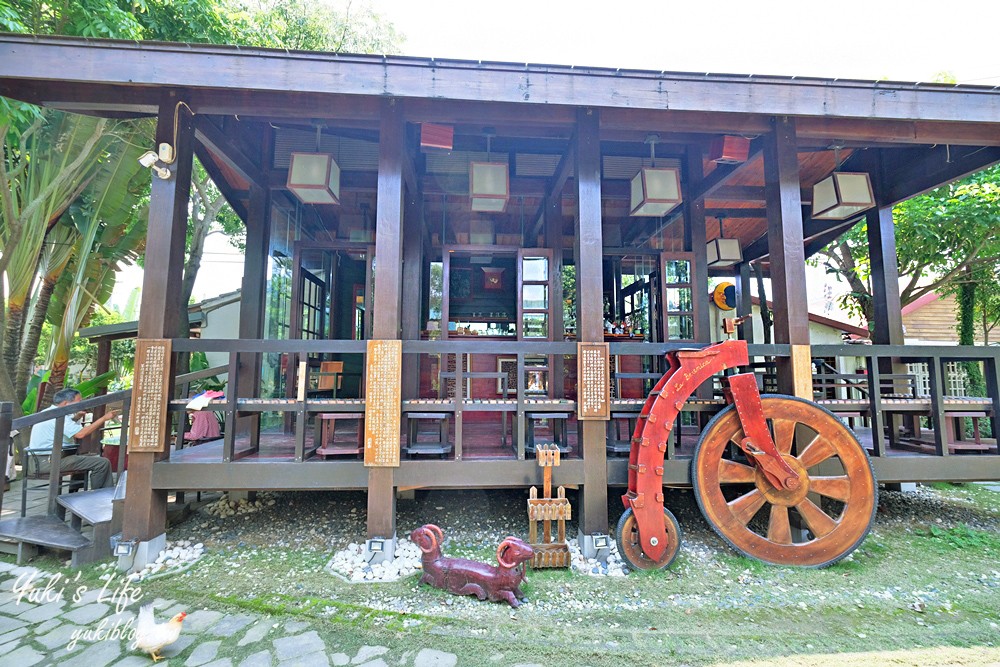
(111, 228)
(43, 171)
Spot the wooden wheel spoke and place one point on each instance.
(818, 521)
(816, 452)
(746, 506)
(779, 529)
(784, 434)
(731, 472)
(838, 488)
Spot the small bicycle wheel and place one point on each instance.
(630, 547)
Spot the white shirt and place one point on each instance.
(43, 434)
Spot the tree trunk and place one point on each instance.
(975, 385)
(57, 378)
(30, 347)
(12, 339)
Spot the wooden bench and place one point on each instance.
(558, 422)
(440, 447)
(329, 445)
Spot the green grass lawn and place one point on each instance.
(917, 592)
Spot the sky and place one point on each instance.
(877, 39)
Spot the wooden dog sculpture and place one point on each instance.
(468, 577)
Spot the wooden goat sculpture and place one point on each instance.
(468, 577)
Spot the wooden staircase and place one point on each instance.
(101, 509)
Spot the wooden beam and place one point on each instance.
(554, 187)
(233, 197)
(751, 193)
(816, 235)
(914, 171)
(61, 60)
(736, 212)
(590, 323)
(226, 150)
(161, 311)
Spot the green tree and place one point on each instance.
(939, 236)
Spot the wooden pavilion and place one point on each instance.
(494, 298)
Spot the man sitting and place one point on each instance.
(43, 437)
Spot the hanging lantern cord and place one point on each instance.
(652, 139)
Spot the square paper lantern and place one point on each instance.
(489, 186)
(314, 178)
(440, 137)
(730, 150)
(841, 195)
(655, 191)
(723, 252)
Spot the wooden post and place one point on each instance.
(787, 254)
(414, 287)
(103, 366)
(6, 417)
(695, 241)
(554, 240)
(590, 323)
(887, 309)
(388, 286)
(253, 302)
(161, 309)
(744, 303)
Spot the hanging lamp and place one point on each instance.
(721, 251)
(314, 177)
(489, 184)
(655, 191)
(842, 194)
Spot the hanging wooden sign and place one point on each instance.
(147, 427)
(594, 388)
(382, 403)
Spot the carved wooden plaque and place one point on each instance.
(147, 427)
(382, 403)
(593, 399)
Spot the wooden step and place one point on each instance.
(93, 507)
(44, 531)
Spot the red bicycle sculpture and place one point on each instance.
(780, 453)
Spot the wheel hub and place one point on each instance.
(784, 496)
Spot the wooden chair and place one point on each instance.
(73, 480)
(330, 377)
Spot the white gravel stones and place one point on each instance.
(176, 557)
(350, 563)
(591, 567)
(224, 507)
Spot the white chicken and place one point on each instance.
(153, 637)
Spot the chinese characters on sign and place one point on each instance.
(148, 420)
(594, 397)
(382, 403)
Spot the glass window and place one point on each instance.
(535, 268)
(679, 298)
(535, 297)
(680, 326)
(678, 271)
(536, 325)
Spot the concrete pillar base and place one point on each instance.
(143, 553)
(590, 549)
(905, 487)
(373, 554)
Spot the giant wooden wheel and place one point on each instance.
(814, 525)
